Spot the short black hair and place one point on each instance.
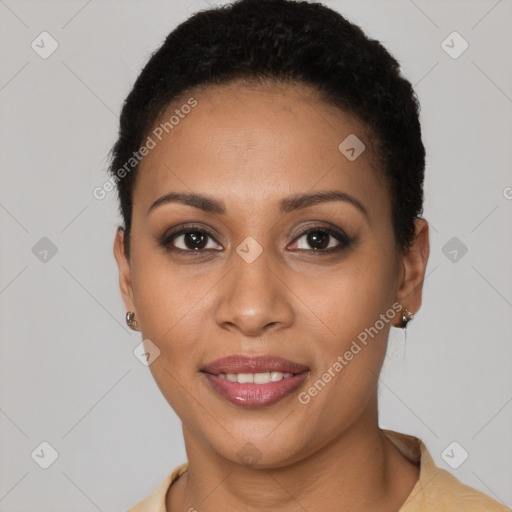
(284, 41)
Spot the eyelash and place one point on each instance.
(340, 236)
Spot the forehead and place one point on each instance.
(257, 144)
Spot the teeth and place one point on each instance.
(256, 378)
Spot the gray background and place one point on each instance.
(68, 373)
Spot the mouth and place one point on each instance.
(254, 381)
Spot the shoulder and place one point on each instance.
(437, 490)
(155, 502)
(444, 492)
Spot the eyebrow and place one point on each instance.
(287, 205)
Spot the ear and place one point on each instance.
(414, 263)
(123, 264)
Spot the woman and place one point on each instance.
(270, 174)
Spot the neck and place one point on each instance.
(359, 470)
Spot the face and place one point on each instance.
(258, 270)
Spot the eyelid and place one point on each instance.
(191, 226)
(316, 225)
(321, 226)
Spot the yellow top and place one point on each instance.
(436, 490)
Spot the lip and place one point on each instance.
(253, 364)
(253, 395)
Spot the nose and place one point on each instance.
(253, 298)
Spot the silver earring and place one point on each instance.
(406, 317)
(132, 324)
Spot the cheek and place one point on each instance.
(171, 309)
(170, 298)
(346, 300)
(349, 363)
(352, 337)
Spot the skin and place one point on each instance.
(250, 147)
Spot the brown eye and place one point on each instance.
(189, 240)
(195, 240)
(318, 240)
(322, 240)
